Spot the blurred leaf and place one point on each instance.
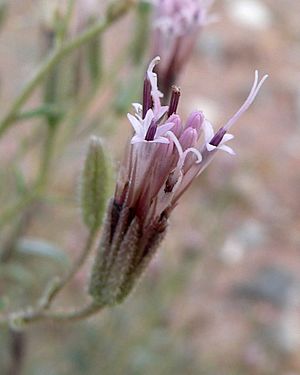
(45, 110)
(17, 273)
(20, 180)
(141, 32)
(3, 303)
(127, 94)
(3, 11)
(94, 55)
(41, 248)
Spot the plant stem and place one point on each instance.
(57, 284)
(24, 202)
(115, 11)
(73, 316)
(17, 349)
(42, 312)
(40, 184)
(48, 150)
(18, 229)
(32, 316)
(43, 111)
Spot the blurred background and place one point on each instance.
(222, 296)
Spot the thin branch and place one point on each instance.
(35, 192)
(24, 202)
(20, 226)
(21, 319)
(42, 312)
(57, 284)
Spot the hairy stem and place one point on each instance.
(57, 284)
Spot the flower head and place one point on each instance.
(180, 17)
(175, 27)
(164, 156)
(165, 148)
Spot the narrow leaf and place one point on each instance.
(40, 248)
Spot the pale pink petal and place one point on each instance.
(138, 108)
(160, 140)
(194, 151)
(227, 149)
(210, 147)
(176, 142)
(135, 123)
(162, 129)
(227, 137)
(208, 131)
(160, 111)
(253, 93)
(147, 120)
(136, 139)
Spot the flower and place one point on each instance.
(176, 24)
(163, 158)
(180, 17)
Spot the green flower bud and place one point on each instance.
(94, 185)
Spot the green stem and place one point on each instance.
(24, 202)
(19, 320)
(43, 111)
(115, 11)
(40, 184)
(46, 159)
(61, 34)
(73, 316)
(42, 312)
(141, 32)
(58, 284)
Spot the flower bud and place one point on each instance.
(94, 185)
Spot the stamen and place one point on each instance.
(217, 138)
(151, 131)
(147, 99)
(254, 91)
(174, 100)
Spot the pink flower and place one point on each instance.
(166, 154)
(176, 26)
(163, 158)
